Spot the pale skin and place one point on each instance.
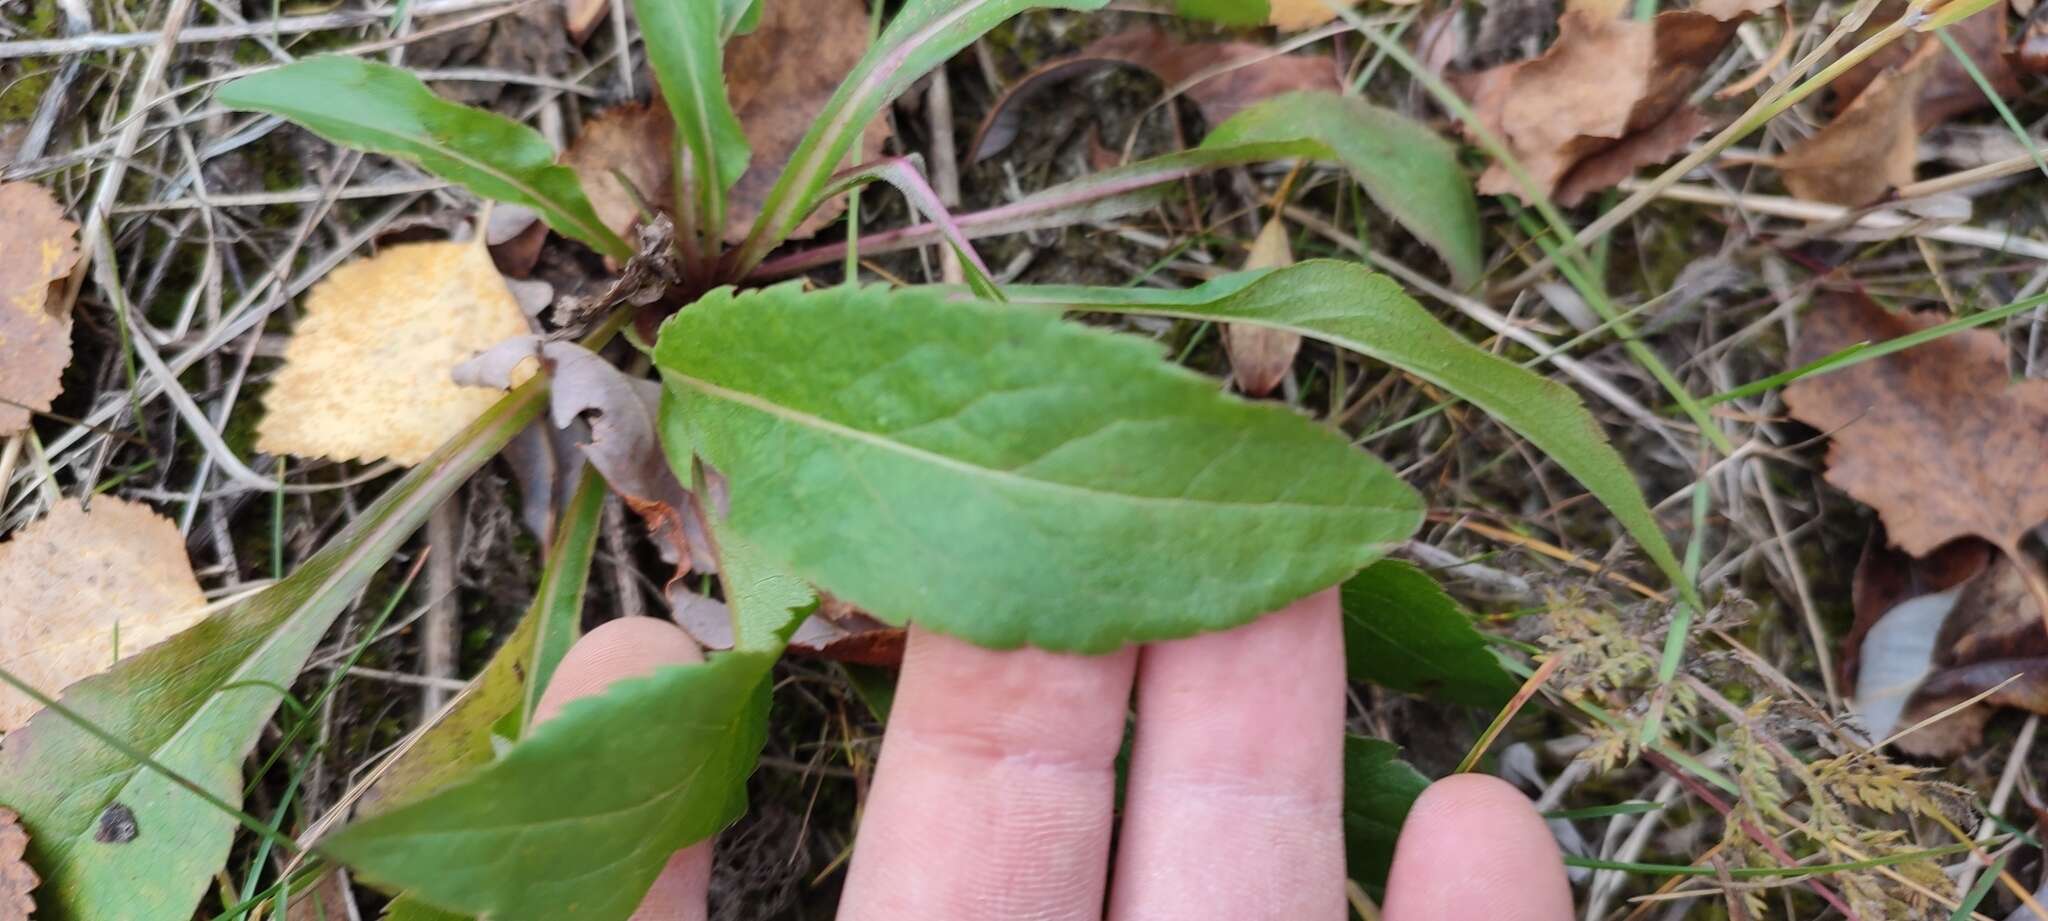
(994, 795)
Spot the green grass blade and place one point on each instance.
(686, 48)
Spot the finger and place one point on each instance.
(1474, 849)
(995, 787)
(1234, 807)
(629, 648)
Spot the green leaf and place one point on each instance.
(1352, 307)
(577, 819)
(1406, 168)
(500, 699)
(196, 703)
(1003, 476)
(1402, 632)
(1379, 789)
(739, 17)
(921, 37)
(383, 109)
(686, 49)
(1227, 12)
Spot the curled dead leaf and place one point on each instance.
(1868, 150)
(1261, 356)
(621, 414)
(647, 277)
(837, 630)
(38, 247)
(1935, 651)
(74, 581)
(17, 879)
(1607, 97)
(1884, 104)
(1254, 74)
(1930, 436)
(367, 372)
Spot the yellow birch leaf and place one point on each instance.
(71, 580)
(368, 372)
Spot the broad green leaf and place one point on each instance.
(924, 35)
(577, 819)
(1379, 789)
(407, 908)
(1406, 168)
(1402, 632)
(1007, 477)
(686, 49)
(1352, 307)
(196, 704)
(500, 699)
(384, 109)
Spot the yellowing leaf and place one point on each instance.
(1296, 15)
(368, 373)
(37, 247)
(1260, 356)
(81, 588)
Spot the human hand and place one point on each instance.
(995, 791)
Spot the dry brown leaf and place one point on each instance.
(1885, 578)
(2032, 54)
(1949, 90)
(1936, 438)
(1296, 15)
(1262, 76)
(17, 878)
(1648, 147)
(367, 374)
(37, 248)
(1871, 148)
(1990, 635)
(635, 141)
(71, 579)
(581, 17)
(1604, 83)
(1260, 356)
(779, 77)
(837, 630)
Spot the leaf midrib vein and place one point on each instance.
(850, 433)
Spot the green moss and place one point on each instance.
(23, 82)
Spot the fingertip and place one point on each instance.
(625, 648)
(1474, 849)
